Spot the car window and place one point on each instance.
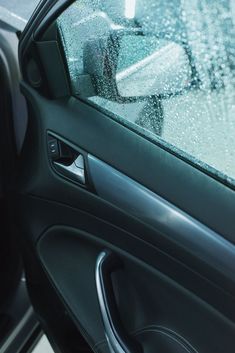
(19, 10)
(174, 78)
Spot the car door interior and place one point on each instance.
(127, 247)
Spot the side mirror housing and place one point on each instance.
(129, 66)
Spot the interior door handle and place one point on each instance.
(117, 338)
(75, 171)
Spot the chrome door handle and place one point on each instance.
(75, 171)
(117, 338)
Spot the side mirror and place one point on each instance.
(129, 66)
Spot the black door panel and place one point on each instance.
(146, 298)
(177, 293)
(60, 248)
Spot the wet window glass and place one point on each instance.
(164, 68)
